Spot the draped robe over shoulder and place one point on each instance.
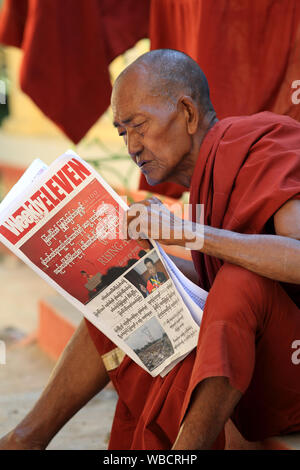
(247, 168)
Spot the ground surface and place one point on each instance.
(27, 368)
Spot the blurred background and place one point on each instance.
(58, 61)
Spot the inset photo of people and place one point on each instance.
(151, 343)
(148, 275)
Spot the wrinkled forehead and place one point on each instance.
(133, 93)
(129, 85)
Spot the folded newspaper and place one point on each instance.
(63, 221)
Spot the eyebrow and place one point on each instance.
(126, 121)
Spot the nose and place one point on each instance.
(134, 145)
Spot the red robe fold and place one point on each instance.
(247, 168)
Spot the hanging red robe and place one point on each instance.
(67, 48)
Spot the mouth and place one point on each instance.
(143, 163)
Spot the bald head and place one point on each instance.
(168, 74)
(161, 108)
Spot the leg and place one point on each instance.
(248, 323)
(78, 375)
(211, 405)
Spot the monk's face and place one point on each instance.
(153, 128)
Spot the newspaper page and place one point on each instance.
(65, 226)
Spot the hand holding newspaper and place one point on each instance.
(63, 221)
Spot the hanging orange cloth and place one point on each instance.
(68, 47)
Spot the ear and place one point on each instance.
(191, 113)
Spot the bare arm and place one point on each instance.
(78, 375)
(212, 404)
(274, 256)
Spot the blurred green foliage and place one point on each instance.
(106, 162)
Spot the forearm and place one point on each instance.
(212, 404)
(272, 256)
(77, 377)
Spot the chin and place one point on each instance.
(154, 181)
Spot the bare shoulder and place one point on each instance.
(287, 219)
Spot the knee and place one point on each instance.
(238, 294)
(237, 278)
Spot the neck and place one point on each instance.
(184, 171)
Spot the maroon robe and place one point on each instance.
(67, 48)
(247, 168)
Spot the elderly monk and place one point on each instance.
(246, 171)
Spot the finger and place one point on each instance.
(143, 201)
(145, 244)
(154, 200)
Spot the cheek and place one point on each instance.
(168, 144)
(178, 144)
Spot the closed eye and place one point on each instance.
(138, 125)
(140, 128)
(134, 126)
